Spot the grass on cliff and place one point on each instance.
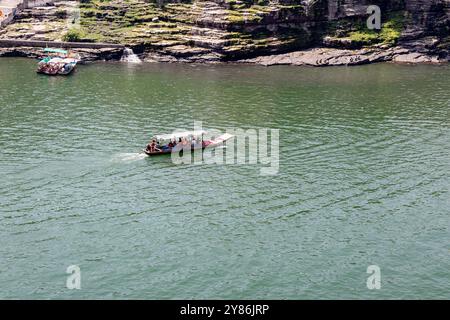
(358, 33)
(80, 35)
(74, 35)
(389, 33)
(136, 22)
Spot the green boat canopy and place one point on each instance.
(55, 50)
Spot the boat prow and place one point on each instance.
(219, 140)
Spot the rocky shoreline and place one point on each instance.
(86, 55)
(316, 57)
(271, 32)
(408, 53)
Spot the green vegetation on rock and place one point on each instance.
(74, 35)
(231, 27)
(228, 29)
(358, 33)
(389, 33)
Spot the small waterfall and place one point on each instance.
(129, 56)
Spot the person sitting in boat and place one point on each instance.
(171, 144)
(149, 146)
(152, 146)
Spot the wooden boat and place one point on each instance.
(164, 146)
(58, 62)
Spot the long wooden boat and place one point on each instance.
(203, 144)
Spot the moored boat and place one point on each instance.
(57, 62)
(177, 142)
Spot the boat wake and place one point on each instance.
(128, 157)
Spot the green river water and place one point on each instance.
(363, 180)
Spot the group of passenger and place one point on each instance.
(155, 146)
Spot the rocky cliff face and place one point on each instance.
(224, 30)
(430, 16)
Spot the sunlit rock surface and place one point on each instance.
(234, 30)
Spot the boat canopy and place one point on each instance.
(179, 134)
(55, 50)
